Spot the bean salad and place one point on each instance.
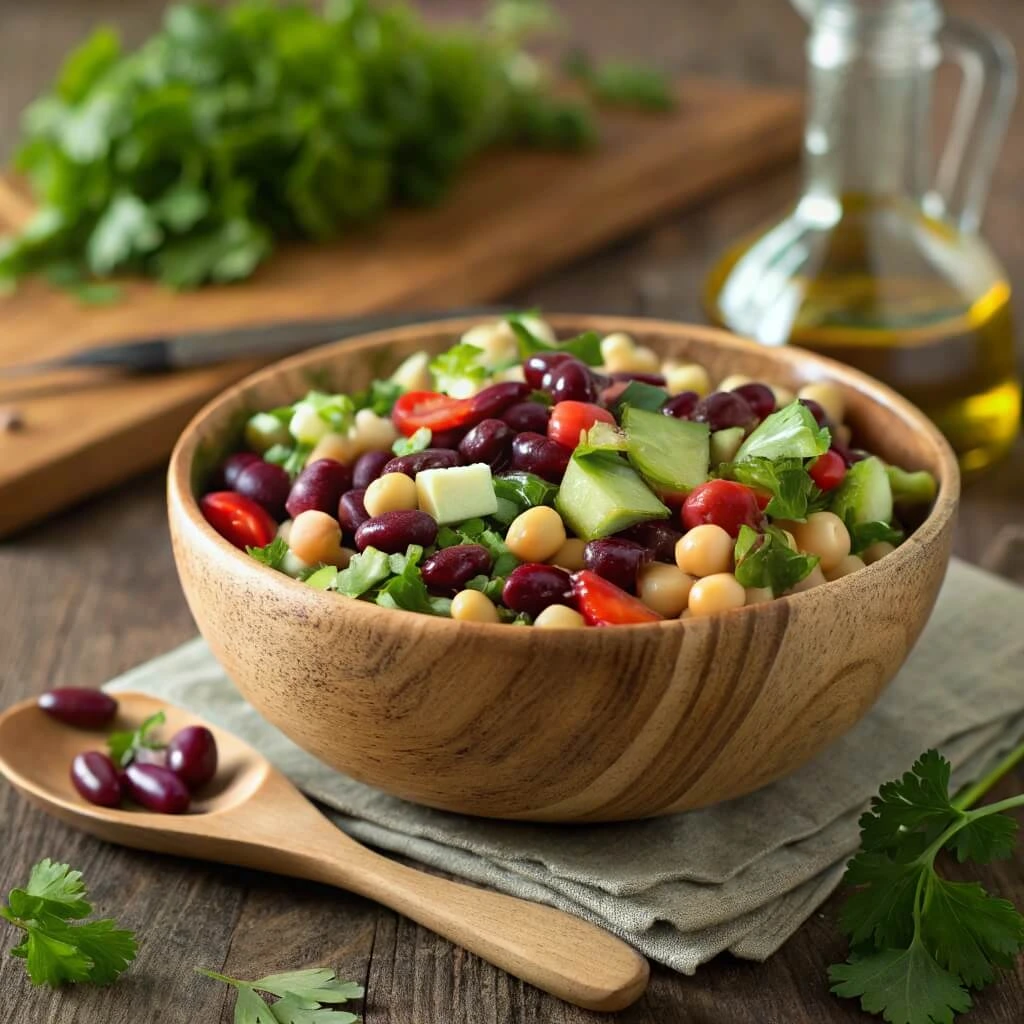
(517, 478)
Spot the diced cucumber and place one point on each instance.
(865, 495)
(263, 431)
(671, 454)
(912, 488)
(725, 444)
(601, 494)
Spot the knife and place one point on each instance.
(167, 353)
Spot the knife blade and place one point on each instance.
(188, 350)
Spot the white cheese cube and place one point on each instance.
(458, 493)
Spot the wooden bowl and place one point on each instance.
(551, 725)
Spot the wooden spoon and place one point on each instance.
(251, 815)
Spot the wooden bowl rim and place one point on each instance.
(179, 473)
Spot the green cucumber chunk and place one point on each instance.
(601, 495)
(725, 444)
(673, 455)
(865, 495)
(912, 488)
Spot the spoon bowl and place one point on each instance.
(252, 816)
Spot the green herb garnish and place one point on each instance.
(863, 535)
(585, 347)
(271, 555)
(416, 443)
(793, 492)
(789, 433)
(767, 560)
(620, 83)
(640, 395)
(123, 746)
(58, 945)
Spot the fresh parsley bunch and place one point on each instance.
(304, 997)
(918, 941)
(59, 946)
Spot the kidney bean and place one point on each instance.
(494, 400)
(192, 755)
(536, 366)
(448, 571)
(79, 706)
(94, 776)
(532, 587)
(527, 417)
(157, 788)
(320, 486)
(429, 458)
(268, 485)
(816, 410)
(535, 453)
(570, 381)
(352, 510)
(228, 471)
(393, 532)
(489, 441)
(759, 397)
(657, 379)
(618, 561)
(658, 536)
(448, 438)
(724, 409)
(369, 466)
(682, 405)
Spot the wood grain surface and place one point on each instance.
(547, 731)
(93, 592)
(510, 218)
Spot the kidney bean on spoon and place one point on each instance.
(192, 755)
(450, 569)
(352, 510)
(369, 466)
(618, 561)
(97, 780)
(393, 532)
(527, 417)
(266, 484)
(79, 706)
(489, 441)
(533, 587)
(157, 788)
(319, 486)
(429, 458)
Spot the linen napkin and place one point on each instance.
(741, 876)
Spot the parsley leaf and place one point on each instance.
(271, 554)
(525, 490)
(123, 745)
(304, 997)
(640, 395)
(790, 433)
(363, 573)
(586, 346)
(920, 941)
(793, 491)
(863, 535)
(416, 443)
(767, 560)
(57, 951)
(619, 83)
(380, 396)
(292, 458)
(406, 590)
(459, 372)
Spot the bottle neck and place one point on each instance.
(870, 83)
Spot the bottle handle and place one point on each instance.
(980, 119)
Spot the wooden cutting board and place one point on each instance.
(511, 218)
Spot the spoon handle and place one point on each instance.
(555, 951)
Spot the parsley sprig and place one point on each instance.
(123, 746)
(918, 941)
(304, 997)
(58, 945)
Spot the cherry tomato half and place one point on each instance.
(828, 470)
(430, 409)
(723, 502)
(571, 419)
(238, 519)
(603, 604)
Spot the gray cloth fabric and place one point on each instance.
(741, 876)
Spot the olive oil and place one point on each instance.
(896, 293)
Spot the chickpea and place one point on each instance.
(570, 555)
(622, 354)
(392, 492)
(334, 446)
(843, 434)
(284, 531)
(496, 342)
(847, 565)
(734, 381)
(759, 595)
(536, 534)
(680, 377)
(514, 374)
(828, 396)
(664, 588)
(472, 606)
(825, 535)
(875, 551)
(370, 431)
(783, 396)
(559, 616)
(814, 579)
(704, 551)
(307, 425)
(716, 593)
(316, 539)
(413, 374)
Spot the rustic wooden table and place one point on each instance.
(85, 596)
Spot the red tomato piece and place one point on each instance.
(723, 502)
(828, 470)
(430, 409)
(603, 604)
(238, 519)
(570, 419)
